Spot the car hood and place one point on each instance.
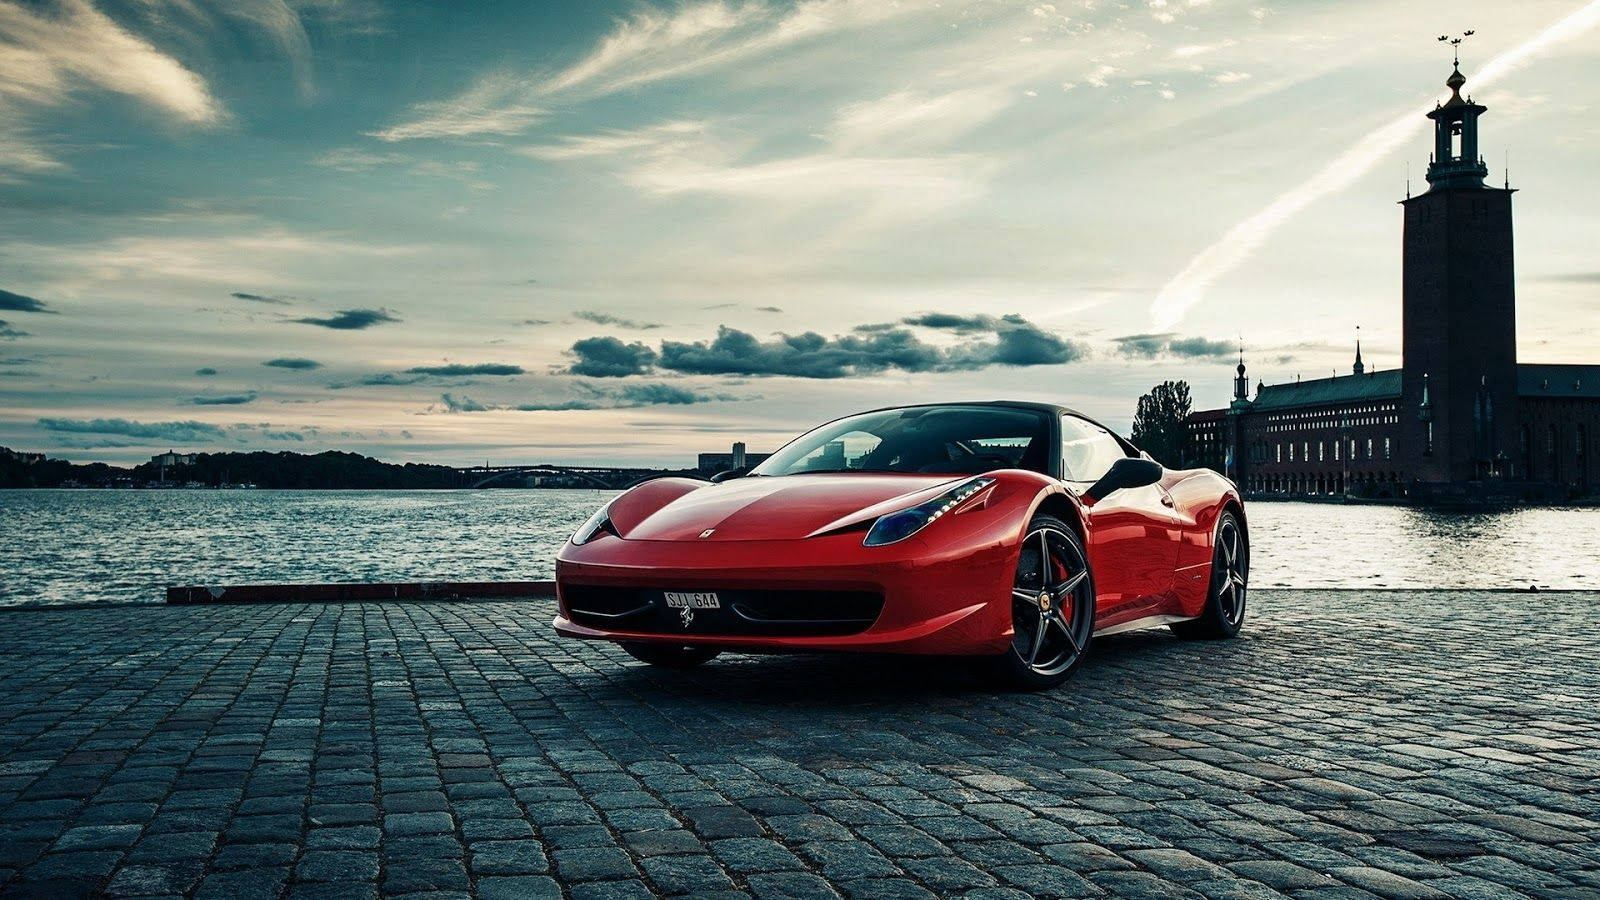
(787, 507)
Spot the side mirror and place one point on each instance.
(1128, 472)
(730, 474)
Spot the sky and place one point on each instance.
(626, 233)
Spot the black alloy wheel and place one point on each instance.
(1052, 607)
(1230, 578)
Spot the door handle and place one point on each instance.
(1166, 499)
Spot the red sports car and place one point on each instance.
(1015, 532)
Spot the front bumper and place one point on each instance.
(935, 600)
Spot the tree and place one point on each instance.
(1158, 423)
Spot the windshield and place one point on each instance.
(958, 440)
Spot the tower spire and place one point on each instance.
(1358, 368)
(1455, 161)
(1241, 383)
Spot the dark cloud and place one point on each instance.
(176, 432)
(1019, 342)
(1142, 345)
(768, 309)
(871, 348)
(386, 379)
(464, 404)
(456, 370)
(631, 396)
(224, 399)
(293, 362)
(205, 372)
(8, 333)
(351, 319)
(608, 357)
(534, 322)
(1200, 347)
(659, 395)
(953, 322)
(20, 303)
(1149, 346)
(259, 298)
(600, 318)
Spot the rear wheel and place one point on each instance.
(1052, 608)
(671, 656)
(1230, 574)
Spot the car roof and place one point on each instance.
(1014, 404)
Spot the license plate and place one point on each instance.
(707, 600)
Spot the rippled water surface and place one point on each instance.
(127, 546)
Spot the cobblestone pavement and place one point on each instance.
(1350, 744)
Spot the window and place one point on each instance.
(1336, 450)
(1322, 451)
(1280, 452)
(1388, 449)
(939, 439)
(1087, 450)
(1369, 448)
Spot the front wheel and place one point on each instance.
(670, 656)
(1052, 608)
(1230, 573)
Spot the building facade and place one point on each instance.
(1461, 418)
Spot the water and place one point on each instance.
(127, 546)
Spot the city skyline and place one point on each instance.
(562, 233)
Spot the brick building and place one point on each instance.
(1461, 418)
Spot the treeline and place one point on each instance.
(331, 470)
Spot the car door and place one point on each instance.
(1133, 533)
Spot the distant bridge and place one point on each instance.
(607, 477)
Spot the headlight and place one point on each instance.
(600, 521)
(897, 526)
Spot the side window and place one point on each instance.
(1087, 450)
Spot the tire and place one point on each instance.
(1223, 614)
(670, 656)
(1066, 618)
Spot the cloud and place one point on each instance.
(1143, 345)
(534, 322)
(205, 372)
(770, 309)
(8, 333)
(351, 319)
(1166, 343)
(293, 362)
(1575, 278)
(1189, 286)
(633, 396)
(461, 405)
(385, 379)
(953, 322)
(51, 53)
(647, 47)
(650, 139)
(1196, 347)
(19, 303)
(259, 298)
(178, 432)
(1016, 342)
(456, 370)
(869, 348)
(608, 357)
(225, 399)
(600, 318)
(498, 104)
